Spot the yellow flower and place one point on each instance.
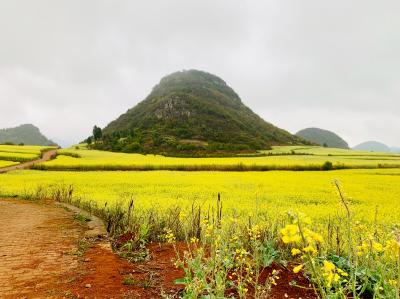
(303, 219)
(361, 249)
(297, 269)
(182, 216)
(169, 236)
(194, 240)
(309, 249)
(290, 234)
(377, 247)
(392, 282)
(328, 266)
(254, 232)
(336, 277)
(341, 272)
(392, 249)
(295, 251)
(312, 236)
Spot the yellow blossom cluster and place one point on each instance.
(254, 232)
(369, 246)
(290, 234)
(169, 236)
(392, 249)
(332, 274)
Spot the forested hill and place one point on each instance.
(192, 111)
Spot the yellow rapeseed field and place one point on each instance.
(7, 163)
(25, 149)
(289, 158)
(299, 217)
(242, 192)
(18, 153)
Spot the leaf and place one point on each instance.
(181, 280)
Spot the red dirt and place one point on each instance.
(105, 272)
(36, 242)
(283, 288)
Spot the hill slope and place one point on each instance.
(323, 137)
(27, 134)
(372, 146)
(192, 111)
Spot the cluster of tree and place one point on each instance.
(135, 141)
(97, 135)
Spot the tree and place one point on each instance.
(97, 133)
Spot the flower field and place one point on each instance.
(7, 163)
(241, 192)
(339, 228)
(18, 153)
(280, 158)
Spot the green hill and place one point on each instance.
(27, 134)
(191, 111)
(323, 138)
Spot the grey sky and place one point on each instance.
(67, 65)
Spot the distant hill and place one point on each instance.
(323, 138)
(192, 111)
(27, 134)
(395, 149)
(372, 146)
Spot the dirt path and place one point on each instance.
(46, 157)
(36, 246)
(46, 253)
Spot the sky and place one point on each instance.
(66, 65)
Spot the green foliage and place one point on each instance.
(82, 218)
(327, 166)
(97, 133)
(193, 112)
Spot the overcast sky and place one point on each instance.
(67, 65)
